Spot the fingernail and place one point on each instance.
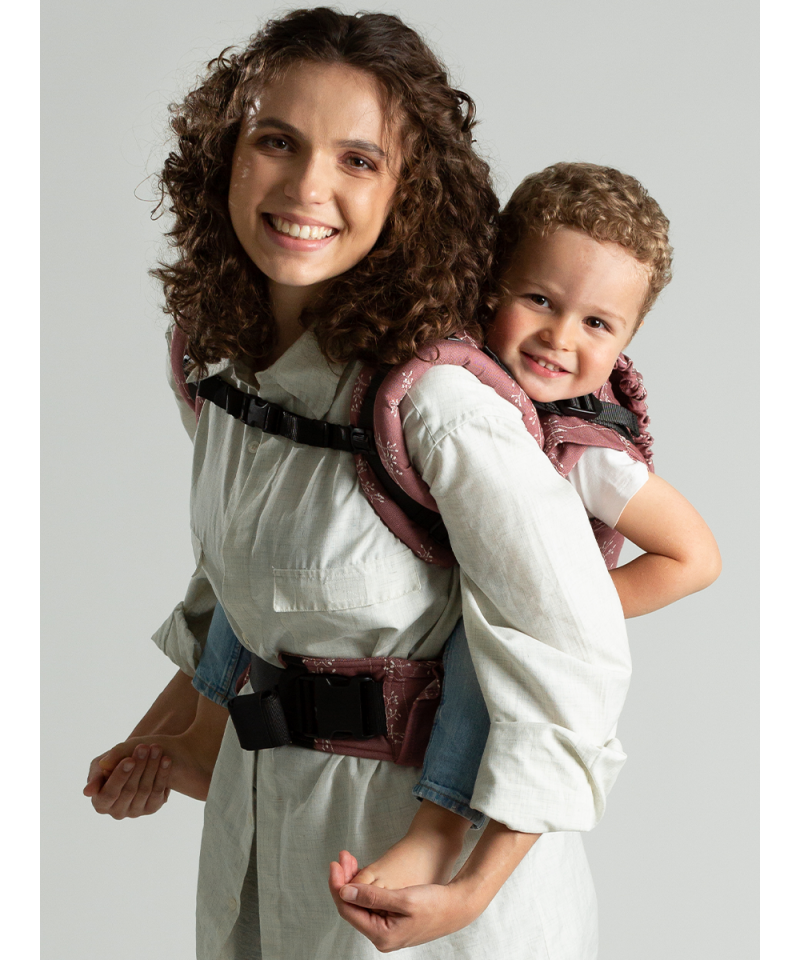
(155, 751)
(141, 752)
(348, 893)
(166, 762)
(128, 766)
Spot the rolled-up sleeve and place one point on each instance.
(183, 634)
(543, 621)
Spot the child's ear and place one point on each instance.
(636, 329)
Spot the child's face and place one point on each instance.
(571, 307)
(314, 173)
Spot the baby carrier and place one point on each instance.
(383, 707)
(615, 416)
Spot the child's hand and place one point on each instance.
(393, 919)
(130, 780)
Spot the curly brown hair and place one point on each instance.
(429, 273)
(599, 201)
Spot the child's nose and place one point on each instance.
(558, 333)
(308, 180)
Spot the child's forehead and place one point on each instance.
(567, 249)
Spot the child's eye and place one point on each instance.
(596, 323)
(539, 300)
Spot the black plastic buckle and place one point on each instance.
(337, 708)
(259, 720)
(235, 402)
(363, 441)
(587, 407)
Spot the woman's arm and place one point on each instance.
(123, 782)
(681, 555)
(393, 919)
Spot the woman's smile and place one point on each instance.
(314, 174)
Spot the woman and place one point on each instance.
(330, 211)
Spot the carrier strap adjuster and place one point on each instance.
(272, 418)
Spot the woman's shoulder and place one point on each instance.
(448, 395)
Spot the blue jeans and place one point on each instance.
(224, 660)
(459, 734)
(459, 731)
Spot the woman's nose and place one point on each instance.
(309, 180)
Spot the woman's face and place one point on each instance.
(314, 172)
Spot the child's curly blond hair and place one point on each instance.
(599, 201)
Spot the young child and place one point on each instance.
(583, 254)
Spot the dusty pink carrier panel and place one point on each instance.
(391, 443)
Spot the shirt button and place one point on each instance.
(232, 903)
(253, 446)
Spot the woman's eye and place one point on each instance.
(274, 142)
(359, 163)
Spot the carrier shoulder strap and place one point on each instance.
(387, 476)
(397, 493)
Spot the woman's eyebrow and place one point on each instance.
(366, 146)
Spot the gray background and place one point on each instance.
(667, 92)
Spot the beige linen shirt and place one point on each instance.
(287, 542)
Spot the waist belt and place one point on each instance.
(380, 708)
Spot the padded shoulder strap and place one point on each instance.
(566, 438)
(391, 445)
(177, 358)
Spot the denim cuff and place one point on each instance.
(450, 800)
(216, 677)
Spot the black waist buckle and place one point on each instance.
(304, 707)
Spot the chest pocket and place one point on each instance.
(346, 601)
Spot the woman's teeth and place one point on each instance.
(295, 230)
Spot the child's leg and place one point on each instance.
(223, 662)
(459, 734)
(428, 852)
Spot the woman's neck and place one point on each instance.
(287, 303)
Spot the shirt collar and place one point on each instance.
(303, 372)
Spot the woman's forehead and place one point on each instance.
(334, 102)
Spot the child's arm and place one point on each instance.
(681, 555)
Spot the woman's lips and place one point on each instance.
(536, 367)
(295, 243)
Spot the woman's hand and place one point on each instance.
(134, 778)
(130, 780)
(393, 919)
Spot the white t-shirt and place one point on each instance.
(606, 480)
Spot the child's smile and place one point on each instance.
(572, 305)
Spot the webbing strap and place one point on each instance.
(273, 419)
(588, 407)
(612, 415)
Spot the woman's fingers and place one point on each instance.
(144, 788)
(370, 897)
(137, 785)
(393, 919)
(105, 800)
(159, 792)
